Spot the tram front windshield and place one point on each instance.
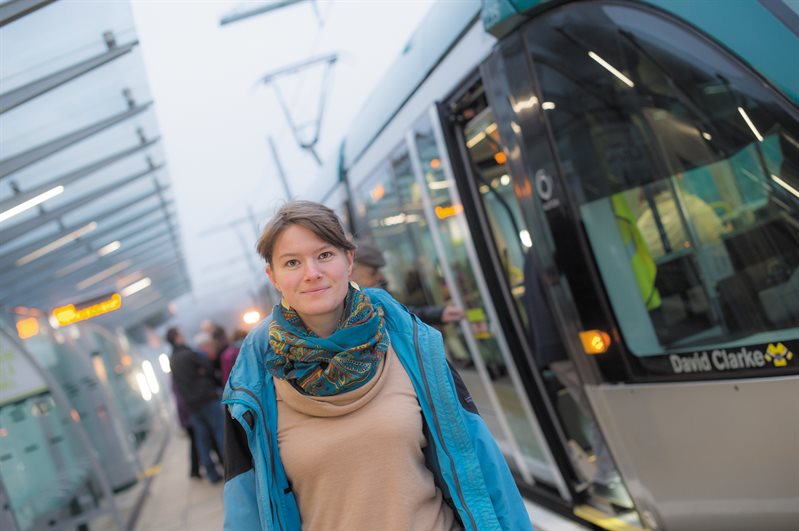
(685, 167)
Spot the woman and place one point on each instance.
(343, 413)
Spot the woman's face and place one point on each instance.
(312, 275)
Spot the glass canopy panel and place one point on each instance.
(29, 57)
(74, 34)
(97, 147)
(77, 103)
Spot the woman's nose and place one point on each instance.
(311, 270)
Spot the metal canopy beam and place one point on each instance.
(236, 16)
(22, 228)
(160, 290)
(45, 272)
(18, 96)
(15, 9)
(172, 228)
(61, 257)
(28, 157)
(139, 314)
(73, 176)
(144, 261)
(43, 284)
(9, 258)
(27, 283)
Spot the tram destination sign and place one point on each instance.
(775, 355)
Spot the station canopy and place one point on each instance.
(86, 207)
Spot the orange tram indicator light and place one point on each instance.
(595, 341)
(71, 314)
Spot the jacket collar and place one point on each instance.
(249, 372)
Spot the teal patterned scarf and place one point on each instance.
(336, 364)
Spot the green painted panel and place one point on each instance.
(750, 31)
(745, 27)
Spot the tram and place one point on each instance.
(610, 189)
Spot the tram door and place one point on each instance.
(517, 277)
(409, 207)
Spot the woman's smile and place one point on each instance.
(315, 290)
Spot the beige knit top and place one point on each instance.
(355, 460)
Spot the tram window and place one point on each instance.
(686, 169)
(388, 223)
(496, 192)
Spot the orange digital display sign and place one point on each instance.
(72, 314)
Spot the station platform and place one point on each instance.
(177, 503)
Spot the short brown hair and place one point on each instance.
(315, 217)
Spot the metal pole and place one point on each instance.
(253, 269)
(280, 171)
(262, 296)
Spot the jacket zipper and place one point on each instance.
(438, 427)
(268, 439)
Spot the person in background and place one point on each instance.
(206, 345)
(220, 340)
(663, 229)
(228, 357)
(192, 377)
(185, 423)
(214, 342)
(334, 419)
(366, 273)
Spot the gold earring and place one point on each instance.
(355, 285)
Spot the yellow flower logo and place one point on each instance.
(778, 354)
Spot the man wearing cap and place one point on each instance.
(366, 272)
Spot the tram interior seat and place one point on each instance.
(684, 309)
(764, 291)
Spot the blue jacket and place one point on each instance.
(463, 456)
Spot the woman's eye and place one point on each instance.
(325, 255)
(292, 263)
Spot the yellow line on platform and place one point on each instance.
(152, 471)
(605, 521)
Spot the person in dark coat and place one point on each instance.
(192, 376)
(185, 423)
